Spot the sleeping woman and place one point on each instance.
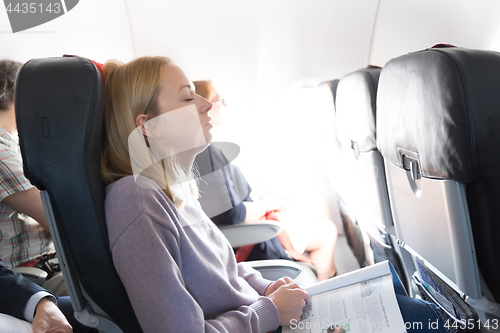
(177, 267)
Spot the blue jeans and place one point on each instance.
(414, 312)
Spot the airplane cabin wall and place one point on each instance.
(404, 26)
(259, 54)
(264, 57)
(99, 30)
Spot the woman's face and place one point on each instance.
(182, 125)
(177, 92)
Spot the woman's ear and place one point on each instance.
(140, 122)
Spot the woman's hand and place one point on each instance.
(272, 287)
(289, 299)
(49, 319)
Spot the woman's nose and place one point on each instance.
(205, 105)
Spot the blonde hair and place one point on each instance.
(132, 89)
(204, 88)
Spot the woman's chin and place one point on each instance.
(208, 137)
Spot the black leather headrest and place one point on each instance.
(441, 107)
(59, 111)
(356, 106)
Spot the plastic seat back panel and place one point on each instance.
(448, 245)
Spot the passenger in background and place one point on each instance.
(308, 227)
(24, 232)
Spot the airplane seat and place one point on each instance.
(364, 166)
(333, 85)
(59, 109)
(437, 125)
(341, 185)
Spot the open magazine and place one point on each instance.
(363, 301)
(9, 324)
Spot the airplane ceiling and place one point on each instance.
(289, 38)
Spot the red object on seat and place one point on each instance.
(30, 263)
(243, 252)
(99, 66)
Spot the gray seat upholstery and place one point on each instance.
(341, 186)
(367, 195)
(438, 112)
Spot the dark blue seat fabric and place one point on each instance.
(59, 111)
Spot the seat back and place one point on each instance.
(356, 113)
(333, 84)
(364, 165)
(341, 185)
(437, 125)
(336, 179)
(59, 110)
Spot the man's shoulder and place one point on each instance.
(7, 142)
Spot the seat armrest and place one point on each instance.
(245, 234)
(275, 269)
(34, 274)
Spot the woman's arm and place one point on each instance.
(286, 295)
(147, 258)
(253, 277)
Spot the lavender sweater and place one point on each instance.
(178, 268)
